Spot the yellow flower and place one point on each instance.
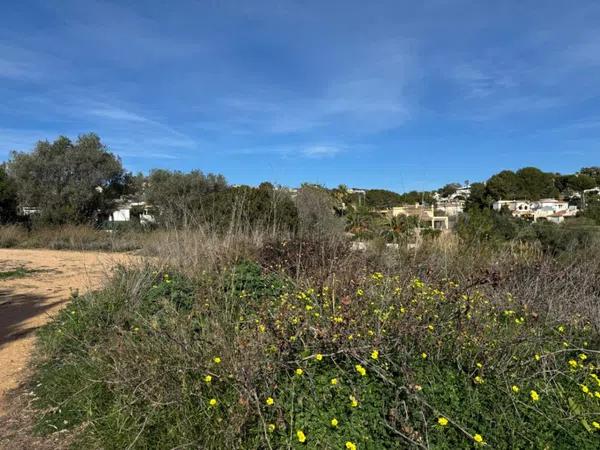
(582, 356)
(360, 369)
(213, 402)
(350, 445)
(537, 357)
(479, 439)
(353, 401)
(596, 425)
(207, 378)
(424, 355)
(299, 371)
(515, 389)
(478, 380)
(375, 354)
(360, 292)
(534, 396)
(334, 422)
(479, 365)
(308, 307)
(270, 401)
(217, 360)
(443, 421)
(271, 427)
(262, 328)
(596, 394)
(561, 329)
(301, 436)
(334, 381)
(585, 389)
(319, 357)
(573, 363)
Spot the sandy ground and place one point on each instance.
(28, 302)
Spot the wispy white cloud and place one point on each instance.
(321, 151)
(113, 113)
(289, 151)
(369, 94)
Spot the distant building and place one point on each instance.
(545, 209)
(123, 213)
(28, 210)
(463, 192)
(559, 216)
(516, 207)
(452, 208)
(423, 213)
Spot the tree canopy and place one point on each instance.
(178, 196)
(68, 181)
(528, 183)
(381, 198)
(8, 196)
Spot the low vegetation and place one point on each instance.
(250, 341)
(19, 272)
(72, 237)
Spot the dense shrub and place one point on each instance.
(429, 352)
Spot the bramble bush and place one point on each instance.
(245, 357)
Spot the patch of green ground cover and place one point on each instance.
(19, 272)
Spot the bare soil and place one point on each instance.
(27, 302)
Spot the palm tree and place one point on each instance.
(399, 228)
(359, 219)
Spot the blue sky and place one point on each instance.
(394, 94)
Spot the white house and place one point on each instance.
(123, 213)
(462, 192)
(559, 216)
(451, 207)
(425, 214)
(550, 203)
(546, 209)
(517, 207)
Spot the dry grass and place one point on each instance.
(72, 237)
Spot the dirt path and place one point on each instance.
(29, 299)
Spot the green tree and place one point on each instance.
(593, 172)
(71, 182)
(580, 182)
(413, 197)
(8, 197)
(359, 220)
(381, 198)
(179, 197)
(535, 184)
(246, 208)
(480, 197)
(399, 228)
(316, 213)
(504, 185)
